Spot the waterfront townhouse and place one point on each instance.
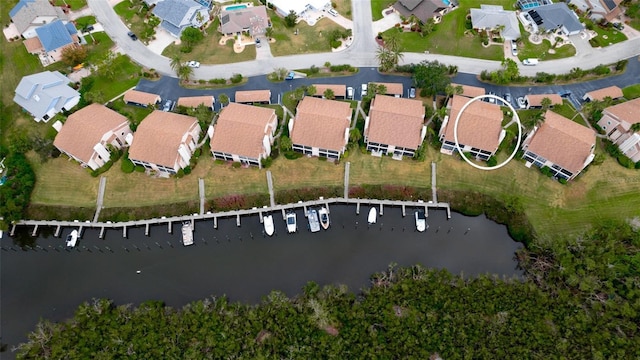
(195, 101)
(612, 92)
(535, 101)
(320, 127)
(243, 133)
(28, 15)
(339, 90)
(394, 126)
(164, 142)
(479, 128)
(618, 121)
(565, 147)
(141, 98)
(45, 94)
(253, 97)
(89, 135)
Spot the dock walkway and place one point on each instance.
(59, 224)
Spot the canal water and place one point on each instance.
(49, 282)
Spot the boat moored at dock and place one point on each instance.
(373, 215)
(323, 213)
(187, 233)
(269, 229)
(421, 220)
(314, 224)
(291, 222)
(72, 239)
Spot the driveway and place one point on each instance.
(163, 39)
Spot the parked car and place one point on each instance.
(514, 48)
(412, 92)
(364, 90)
(618, 26)
(88, 29)
(132, 36)
(333, 12)
(507, 98)
(290, 75)
(491, 100)
(193, 64)
(350, 93)
(168, 106)
(530, 62)
(521, 103)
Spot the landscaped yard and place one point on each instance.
(310, 39)
(377, 6)
(75, 4)
(134, 17)
(209, 50)
(568, 111)
(449, 36)
(606, 35)
(542, 51)
(631, 92)
(344, 8)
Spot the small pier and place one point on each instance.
(103, 226)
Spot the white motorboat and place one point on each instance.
(373, 215)
(291, 222)
(72, 239)
(267, 221)
(187, 233)
(421, 220)
(314, 224)
(324, 217)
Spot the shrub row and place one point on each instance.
(390, 192)
(306, 194)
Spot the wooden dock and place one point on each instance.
(168, 221)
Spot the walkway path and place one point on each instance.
(202, 195)
(272, 199)
(434, 193)
(346, 180)
(99, 202)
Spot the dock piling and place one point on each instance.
(35, 231)
(124, 231)
(404, 213)
(215, 222)
(238, 220)
(57, 233)
(101, 232)
(358, 208)
(381, 210)
(13, 230)
(169, 228)
(146, 229)
(80, 232)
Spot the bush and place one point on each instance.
(292, 155)
(236, 165)
(492, 161)
(219, 81)
(544, 77)
(266, 162)
(562, 181)
(601, 70)
(139, 168)
(336, 44)
(408, 68)
(127, 166)
(314, 69)
(625, 161)
(344, 67)
(186, 49)
(187, 170)
(236, 78)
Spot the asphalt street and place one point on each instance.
(169, 88)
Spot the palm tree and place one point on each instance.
(185, 72)
(546, 103)
(635, 127)
(224, 99)
(176, 63)
(329, 94)
(427, 27)
(311, 90)
(392, 41)
(385, 58)
(269, 32)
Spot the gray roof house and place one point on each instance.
(424, 9)
(489, 17)
(556, 16)
(28, 15)
(177, 15)
(45, 94)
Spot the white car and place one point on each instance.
(333, 12)
(349, 92)
(364, 89)
(193, 64)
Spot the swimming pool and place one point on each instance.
(446, 2)
(235, 7)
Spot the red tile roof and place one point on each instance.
(480, 125)
(321, 123)
(395, 121)
(240, 129)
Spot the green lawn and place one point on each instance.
(344, 8)
(567, 110)
(529, 50)
(377, 6)
(209, 50)
(126, 77)
(633, 12)
(85, 21)
(75, 4)
(309, 40)
(606, 35)
(133, 113)
(631, 92)
(134, 17)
